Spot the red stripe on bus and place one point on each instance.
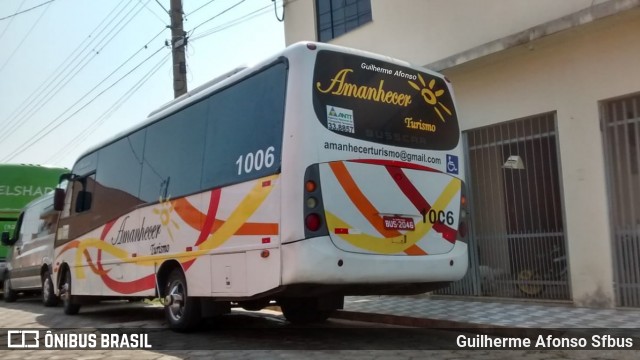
(408, 189)
(211, 216)
(394, 163)
(419, 202)
(361, 202)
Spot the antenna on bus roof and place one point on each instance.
(198, 89)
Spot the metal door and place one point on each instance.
(620, 119)
(517, 246)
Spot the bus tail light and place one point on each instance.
(463, 223)
(312, 221)
(313, 208)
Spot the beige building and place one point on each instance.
(555, 87)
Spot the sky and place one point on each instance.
(74, 73)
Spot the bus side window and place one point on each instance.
(83, 193)
(83, 201)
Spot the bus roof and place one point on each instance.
(236, 74)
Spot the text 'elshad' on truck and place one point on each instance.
(19, 185)
(318, 173)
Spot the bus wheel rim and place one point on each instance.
(45, 288)
(176, 309)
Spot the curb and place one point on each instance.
(451, 325)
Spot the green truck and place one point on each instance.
(19, 185)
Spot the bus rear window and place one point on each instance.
(384, 103)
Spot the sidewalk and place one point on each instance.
(444, 312)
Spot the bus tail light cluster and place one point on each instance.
(465, 217)
(314, 221)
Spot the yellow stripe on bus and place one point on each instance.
(240, 215)
(382, 245)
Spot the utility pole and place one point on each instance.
(178, 43)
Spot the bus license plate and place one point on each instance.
(398, 223)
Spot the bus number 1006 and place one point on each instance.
(255, 161)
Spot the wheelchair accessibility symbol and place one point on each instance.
(452, 164)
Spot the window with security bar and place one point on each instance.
(337, 17)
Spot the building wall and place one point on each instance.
(570, 72)
(424, 31)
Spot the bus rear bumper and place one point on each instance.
(317, 261)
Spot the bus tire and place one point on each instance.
(49, 297)
(182, 312)
(9, 294)
(303, 311)
(68, 301)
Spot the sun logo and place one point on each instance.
(430, 95)
(164, 210)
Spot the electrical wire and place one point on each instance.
(215, 16)
(73, 72)
(200, 8)
(11, 21)
(162, 6)
(73, 144)
(24, 11)
(17, 117)
(103, 81)
(153, 12)
(275, 11)
(231, 23)
(44, 131)
(25, 37)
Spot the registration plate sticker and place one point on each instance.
(398, 223)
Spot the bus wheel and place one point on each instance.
(70, 307)
(303, 310)
(48, 295)
(182, 311)
(9, 294)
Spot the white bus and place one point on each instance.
(318, 173)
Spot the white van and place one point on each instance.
(29, 261)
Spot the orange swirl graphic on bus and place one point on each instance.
(213, 235)
(389, 242)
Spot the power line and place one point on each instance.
(220, 13)
(24, 38)
(73, 70)
(106, 115)
(101, 82)
(11, 21)
(231, 23)
(153, 12)
(29, 9)
(19, 116)
(44, 132)
(162, 6)
(64, 66)
(200, 7)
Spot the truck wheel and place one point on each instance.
(182, 312)
(49, 297)
(9, 294)
(68, 303)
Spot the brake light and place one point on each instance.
(463, 227)
(313, 222)
(313, 210)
